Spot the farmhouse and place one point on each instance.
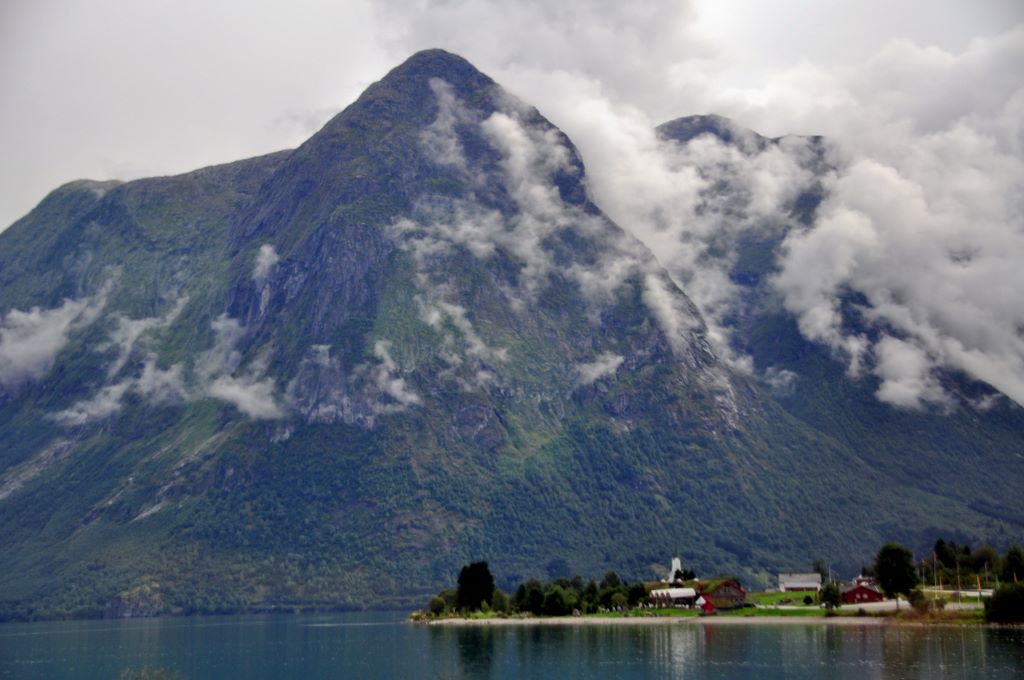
(673, 597)
(723, 593)
(790, 582)
(859, 593)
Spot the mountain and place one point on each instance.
(971, 454)
(333, 375)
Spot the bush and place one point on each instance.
(831, 596)
(808, 600)
(919, 601)
(436, 606)
(1006, 604)
(499, 601)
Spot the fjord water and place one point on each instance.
(380, 645)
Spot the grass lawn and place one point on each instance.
(771, 611)
(768, 599)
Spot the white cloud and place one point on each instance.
(161, 386)
(156, 385)
(923, 219)
(254, 397)
(386, 377)
(780, 381)
(440, 138)
(104, 404)
(129, 331)
(604, 365)
(676, 318)
(907, 375)
(435, 311)
(220, 376)
(223, 357)
(218, 373)
(266, 258)
(30, 341)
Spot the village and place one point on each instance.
(954, 583)
(725, 594)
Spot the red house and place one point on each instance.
(724, 593)
(859, 593)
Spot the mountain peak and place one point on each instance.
(408, 84)
(690, 127)
(436, 63)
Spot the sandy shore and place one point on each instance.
(669, 621)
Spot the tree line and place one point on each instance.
(476, 592)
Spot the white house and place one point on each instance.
(789, 582)
(673, 597)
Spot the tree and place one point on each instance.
(1006, 604)
(819, 567)
(636, 594)
(984, 559)
(476, 585)
(830, 596)
(945, 553)
(1013, 565)
(610, 580)
(894, 569)
(499, 601)
(529, 597)
(557, 602)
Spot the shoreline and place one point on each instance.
(674, 621)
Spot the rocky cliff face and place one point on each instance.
(331, 376)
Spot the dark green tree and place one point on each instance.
(1006, 604)
(589, 598)
(529, 597)
(557, 602)
(636, 594)
(894, 569)
(499, 601)
(830, 596)
(476, 585)
(1012, 570)
(610, 580)
(984, 559)
(946, 553)
(819, 567)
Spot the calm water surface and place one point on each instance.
(379, 645)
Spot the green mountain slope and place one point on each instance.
(332, 376)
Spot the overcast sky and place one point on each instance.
(128, 88)
(923, 99)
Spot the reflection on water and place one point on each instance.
(381, 646)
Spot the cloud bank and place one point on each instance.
(922, 213)
(924, 219)
(217, 373)
(921, 100)
(30, 341)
